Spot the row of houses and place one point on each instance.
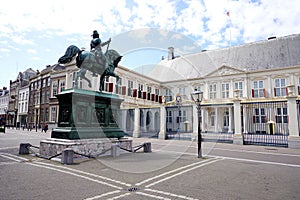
(245, 88)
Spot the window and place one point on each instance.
(149, 89)
(53, 114)
(62, 86)
(225, 90)
(48, 82)
(259, 115)
(46, 114)
(198, 88)
(169, 116)
(281, 115)
(258, 89)
(213, 91)
(182, 91)
(44, 82)
(280, 87)
(130, 87)
(47, 96)
(119, 86)
(157, 91)
(168, 95)
(54, 88)
(239, 86)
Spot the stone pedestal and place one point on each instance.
(88, 147)
(85, 114)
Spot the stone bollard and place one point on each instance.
(67, 156)
(147, 147)
(24, 148)
(115, 150)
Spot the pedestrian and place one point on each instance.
(45, 127)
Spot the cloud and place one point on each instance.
(31, 51)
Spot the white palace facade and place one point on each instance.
(253, 88)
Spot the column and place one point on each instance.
(163, 123)
(230, 119)
(137, 127)
(237, 137)
(293, 139)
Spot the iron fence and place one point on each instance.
(265, 123)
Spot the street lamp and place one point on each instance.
(178, 104)
(197, 98)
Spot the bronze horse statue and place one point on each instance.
(86, 60)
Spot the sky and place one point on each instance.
(35, 33)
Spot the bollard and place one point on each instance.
(67, 156)
(147, 147)
(24, 148)
(115, 150)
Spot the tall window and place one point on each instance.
(280, 87)
(258, 89)
(130, 88)
(62, 86)
(259, 115)
(53, 114)
(281, 115)
(169, 116)
(225, 90)
(213, 91)
(54, 88)
(168, 95)
(239, 86)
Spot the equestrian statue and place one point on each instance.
(95, 60)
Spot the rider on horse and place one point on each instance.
(96, 45)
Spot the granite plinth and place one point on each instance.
(89, 147)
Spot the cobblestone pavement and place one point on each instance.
(171, 171)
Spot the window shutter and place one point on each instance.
(160, 99)
(298, 89)
(275, 92)
(144, 95)
(286, 91)
(152, 97)
(123, 90)
(110, 87)
(134, 93)
(253, 119)
(264, 92)
(252, 93)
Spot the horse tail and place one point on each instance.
(70, 53)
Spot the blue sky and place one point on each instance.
(36, 33)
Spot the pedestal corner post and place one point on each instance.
(137, 126)
(163, 117)
(237, 137)
(293, 125)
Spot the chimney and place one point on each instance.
(171, 53)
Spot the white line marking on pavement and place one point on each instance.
(182, 172)
(11, 157)
(5, 148)
(169, 172)
(257, 161)
(8, 163)
(257, 152)
(118, 197)
(77, 175)
(103, 195)
(170, 194)
(85, 173)
(153, 196)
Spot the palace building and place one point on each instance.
(251, 89)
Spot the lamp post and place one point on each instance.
(197, 98)
(178, 104)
